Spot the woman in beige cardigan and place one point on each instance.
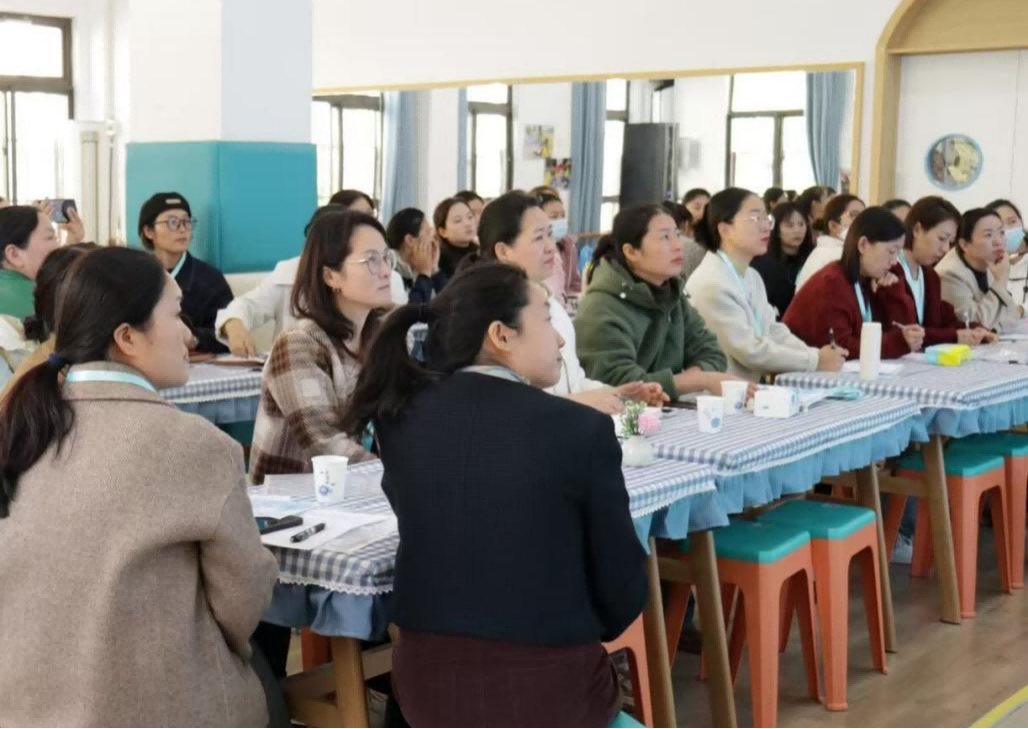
(975, 273)
(132, 575)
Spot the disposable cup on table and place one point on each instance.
(329, 478)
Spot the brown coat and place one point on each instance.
(132, 574)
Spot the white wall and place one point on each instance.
(437, 147)
(548, 105)
(983, 95)
(701, 106)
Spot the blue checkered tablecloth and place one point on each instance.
(219, 394)
(978, 397)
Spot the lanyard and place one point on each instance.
(742, 288)
(916, 287)
(104, 376)
(178, 266)
(865, 309)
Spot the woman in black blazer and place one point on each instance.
(517, 551)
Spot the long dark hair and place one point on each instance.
(772, 195)
(406, 222)
(630, 227)
(458, 319)
(876, 224)
(808, 197)
(104, 289)
(722, 208)
(929, 212)
(51, 276)
(17, 222)
(328, 244)
(501, 221)
(781, 214)
(834, 211)
(969, 221)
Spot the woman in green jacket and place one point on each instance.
(634, 323)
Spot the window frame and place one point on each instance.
(778, 117)
(13, 85)
(477, 108)
(339, 102)
(621, 116)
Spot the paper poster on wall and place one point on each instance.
(954, 162)
(558, 173)
(538, 141)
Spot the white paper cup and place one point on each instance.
(710, 412)
(734, 394)
(329, 478)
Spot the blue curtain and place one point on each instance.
(462, 139)
(588, 119)
(826, 105)
(400, 163)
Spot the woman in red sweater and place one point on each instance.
(932, 227)
(838, 299)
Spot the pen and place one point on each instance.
(300, 536)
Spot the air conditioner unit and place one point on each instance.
(91, 171)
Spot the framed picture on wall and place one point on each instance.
(538, 141)
(953, 162)
(558, 173)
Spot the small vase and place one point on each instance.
(637, 452)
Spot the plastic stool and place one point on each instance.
(633, 642)
(839, 533)
(969, 476)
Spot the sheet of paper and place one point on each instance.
(1013, 337)
(337, 523)
(887, 369)
(293, 485)
(277, 508)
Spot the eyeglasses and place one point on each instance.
(759, 219)
(375, 261)
(174, 224)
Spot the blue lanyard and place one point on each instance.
(105, 376)
(742, 288)
(865, 309)
(916, 287)
(179, 265)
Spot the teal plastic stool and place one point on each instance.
(839, 534)
(759, 562)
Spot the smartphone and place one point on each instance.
(60, 209)
(269, 524)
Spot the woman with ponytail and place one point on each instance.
(634, 322)
(133, 573)
(518, 493)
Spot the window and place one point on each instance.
(347, 132)
(767, 133)
(490, 139)
(613, 148)
(35, 103)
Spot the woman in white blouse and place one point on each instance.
(731, 298)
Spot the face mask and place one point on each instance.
(1014, 238)
(559, 228)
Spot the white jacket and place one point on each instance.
(994, 309)
(572, 376)
(744, 322)
(271, 298)
(1017, 286)
(827, 250)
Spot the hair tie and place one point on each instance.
(56, 362)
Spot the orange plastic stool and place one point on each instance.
(969, 476)
(759, 561)
(633, 642)
(839, 534)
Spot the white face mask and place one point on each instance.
(559, 228)
(1013, 238)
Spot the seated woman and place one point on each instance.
(791, 244)
(839, 214)
(148, 575)
(474, 202)
(166, 229)
(693, 252)
(456, 227)
(341, 292)
(634, 322)
(838, 299)
(40, 326)
(898, 207)
(730, 296)
(410, 234)
(27, 238)
(515, 230)
(1017, 247)
(566, 279)
(775, 196)
(519, 494)
(932, 225)
(975, 273)
(269, 300)
(812, 201)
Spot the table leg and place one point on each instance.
(656, 646)
(942, 529)
(869, 496)
(712, 624)
(351, 694)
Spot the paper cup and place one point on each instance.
(710, 412)
(329, 478)
(734, 394)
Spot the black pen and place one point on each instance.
(300, 536)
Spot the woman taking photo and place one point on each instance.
(133, 574)
(791, 244)
(839, 214)
(510, 633)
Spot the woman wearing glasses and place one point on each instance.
(342, 287)
(166, 228)
(731, 297)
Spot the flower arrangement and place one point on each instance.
(637, 420)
